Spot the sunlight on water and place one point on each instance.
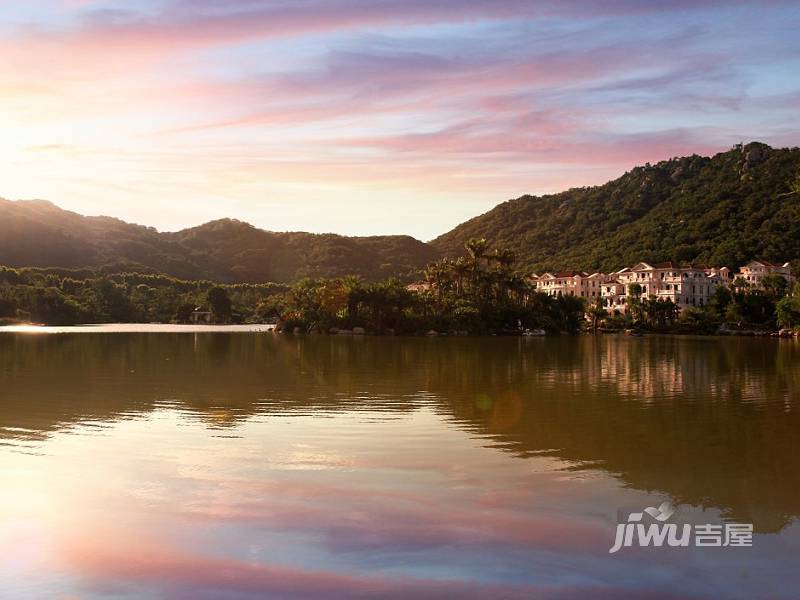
(240, 465)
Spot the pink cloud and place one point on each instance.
(191, 23)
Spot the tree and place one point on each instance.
(476, 248)
(353, 286)
(740, 284)
(49, 305)
(774, 285)
(733, 314)
(597, 312)
(219, 303)
(568, 313)
(109, 301)
(635, 302)
(184, 312)
(794, 187)
(461, 269)
(697, 320)
(787, 310)
(8, 305)
(661, 312)
(720, 299)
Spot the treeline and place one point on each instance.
(476, 294)
(67, 297)
(770, 306)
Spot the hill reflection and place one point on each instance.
(712, 422)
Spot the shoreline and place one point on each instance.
(107, 328)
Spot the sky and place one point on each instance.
(368, 117)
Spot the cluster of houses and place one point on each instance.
(686, 286)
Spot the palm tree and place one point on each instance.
(353, 285)
(476, 248)
(597, 312)
(460, 268)
(635, 302)
(518, 287)
(438, 276)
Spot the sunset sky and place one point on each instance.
(374, 116)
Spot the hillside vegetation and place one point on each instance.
(723, 210)
(39, 234)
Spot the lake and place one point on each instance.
(251, 465)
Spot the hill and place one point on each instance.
(39, 234)
(722, 210)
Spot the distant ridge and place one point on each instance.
(37, 233)
(722, 210)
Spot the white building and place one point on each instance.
(685, 286)
(571, 283)
(754, 271)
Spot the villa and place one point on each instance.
(686, 286)
(754, 271)
(570, 283)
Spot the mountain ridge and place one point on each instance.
(225, 250)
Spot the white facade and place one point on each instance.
(570, 283)
(754, 271)
(685, 286)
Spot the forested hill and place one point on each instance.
(722, 210)
(39, 234)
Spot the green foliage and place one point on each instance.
(723, 210)
(774, 285)
(659, 313)
(220, 304)
(635, 306)
(794, 186)
(39, 234)
(480, 294)
(788, 310)
(698, 320)
(59, 297)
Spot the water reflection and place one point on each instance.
(339, 450)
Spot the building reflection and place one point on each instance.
(710, 421)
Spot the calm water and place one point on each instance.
(252, 465)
